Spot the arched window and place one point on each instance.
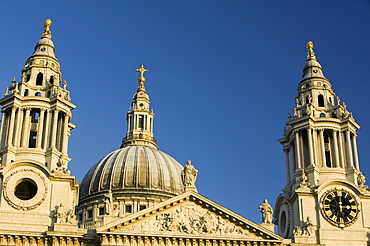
(327, 150)
(28, 77)
(308, 99)
(320, 98)
(26, 92)
(32, 141)
(322, 115)
(52, 79)
(35, 116)
(39, 79)
(38, 94)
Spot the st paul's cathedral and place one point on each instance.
(138, 195)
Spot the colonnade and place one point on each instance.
(146, 124)
(118, 209)
(50, 128)
(320, 147)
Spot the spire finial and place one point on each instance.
(310, 53)
(141, 79)
(47, 32)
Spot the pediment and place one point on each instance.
(189, 215)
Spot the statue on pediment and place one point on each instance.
(266, 211)
(189, 174)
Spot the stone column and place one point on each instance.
(310, 149)
(40, 128)
(26, 128)
(287, 168)
(95, 212)
(18, 128)
(135, 121)
(128, 123)
(315, 148)
(54, 129)
(349, 148)
(341, 151)
(297, 149)
(336, 153)
(292, 159)
(65, 134)
(3, 114)
(11, 127)
(355, 152)
(322, 143)
(48, 114)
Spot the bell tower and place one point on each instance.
(325, 200)
(35, 127)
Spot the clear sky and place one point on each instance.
(222, 77)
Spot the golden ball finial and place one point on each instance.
(47, 25)
(310, 53)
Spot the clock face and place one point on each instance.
(339, 207)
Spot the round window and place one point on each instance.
(282, 223)
(26, 189)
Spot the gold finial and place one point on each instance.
(47, 32)
(310, 53)
(141, 79)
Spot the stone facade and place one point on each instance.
(139, 196)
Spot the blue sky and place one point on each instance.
(222, 78)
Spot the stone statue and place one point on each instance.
(266, 211)
(108, 202)
(61, 214)
(64, 215)
(189, 174)
(307, 227)
(361, 179)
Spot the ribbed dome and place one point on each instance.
(135, 170)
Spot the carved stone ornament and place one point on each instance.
(61, 168)
(303, 178)
(305, 230)
(188, 219)
(64, 215)
(15, 178)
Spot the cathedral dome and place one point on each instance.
(137, 175)
(135, 170)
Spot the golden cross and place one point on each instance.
(142, 70)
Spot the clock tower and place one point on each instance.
(325, 200)
(35, 182)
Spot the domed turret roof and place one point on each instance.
(134, 169)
